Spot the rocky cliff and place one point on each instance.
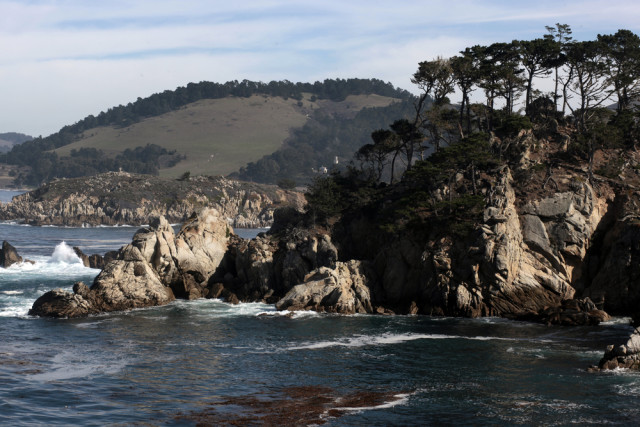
(124, 198)
(562, 254)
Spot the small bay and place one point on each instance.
(210, 363)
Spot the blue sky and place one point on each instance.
(61, 60)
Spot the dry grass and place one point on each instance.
(219, 136)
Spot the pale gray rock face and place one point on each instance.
(517, 261)
(129, 282)
(343, 289)
(107, 199)
(146, 272)
(202, 242)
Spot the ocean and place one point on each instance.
(206, 362)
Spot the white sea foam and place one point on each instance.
(12, 292)
(398, 399)
(71, 364)
(64, 253)
(617, 321)
(291, 314)
(386, 339)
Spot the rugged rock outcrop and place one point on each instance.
(9, 255)
(626, 355)
(343, 289)
(96, 261)
(518, 262)
(267, 267)
(148, 271)
(569, 313)
(122, 198)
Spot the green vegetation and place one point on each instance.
(214, 128)
(470, 143)
(319, 142)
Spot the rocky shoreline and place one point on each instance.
(561, 255)
(295, 269)
(121, 198)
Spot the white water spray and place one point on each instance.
(63, 253)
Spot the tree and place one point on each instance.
(465, 75)
(561, 33)
(588, 79)
(538, 57)
(385, 143)
(506, 61)
(488, 78)
(409, 138)
(435, 79)
(622, 61)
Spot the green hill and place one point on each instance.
(212, 129)
(219, 136)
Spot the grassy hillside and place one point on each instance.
(219, 136)
(209, 128)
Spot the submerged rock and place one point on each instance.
(574, 312)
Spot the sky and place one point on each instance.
(62, 60)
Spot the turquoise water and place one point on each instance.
(209, 363)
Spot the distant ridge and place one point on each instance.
(9, 139)
(191, 129)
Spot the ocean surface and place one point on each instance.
(206, 362)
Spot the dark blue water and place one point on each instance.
(209, 363)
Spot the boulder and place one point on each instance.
(626, 355)
(59, 303)
(129, 282)
(343, 289)
(146, 272)
(573, 312)
(202, 243)
(9, 255)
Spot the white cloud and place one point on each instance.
(62, 60)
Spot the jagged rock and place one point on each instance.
(202, 242)
(9, 255)
(626, 356)
(617, 281)
(59, 303)
(343, 289)
(147, 271)
(517, 262)
(129, 282)
(123, 198)
(95, 261)
(83, 257)
(573, 312)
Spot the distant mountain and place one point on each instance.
(216, 129)
(9, 139)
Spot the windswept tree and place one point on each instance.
(465, 75)
(409, 137)
(561, 34)
(539, 57)
(589, 80)
(436, 80)
(383, 151)
(506, 63)
(622, 61)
